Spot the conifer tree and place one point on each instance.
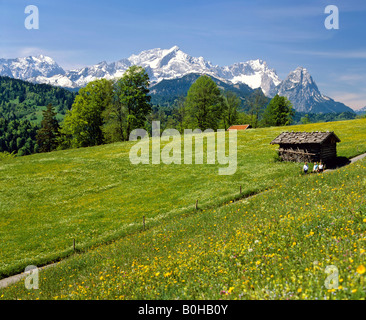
(279, 112)
(47, 135)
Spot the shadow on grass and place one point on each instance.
(338, 163)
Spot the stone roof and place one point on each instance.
(316, 137)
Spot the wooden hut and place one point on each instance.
(307, 146)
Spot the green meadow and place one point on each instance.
(276, 245)
(96, 196)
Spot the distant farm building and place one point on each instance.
(307, 146)
(240, 127)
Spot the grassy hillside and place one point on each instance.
(96, 195)
(25, 100)
(276, 245)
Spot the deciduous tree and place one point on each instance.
(83, 124)
(204, 104)
(133, 102)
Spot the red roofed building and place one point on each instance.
(240, 127)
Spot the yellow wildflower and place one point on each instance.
(361, 269)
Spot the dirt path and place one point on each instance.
(361, 156)
(13, 279)
(350, 161)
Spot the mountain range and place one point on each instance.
(173, 64)
(361, 111)
(167, 91)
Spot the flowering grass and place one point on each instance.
(95, 195)
(276, 245)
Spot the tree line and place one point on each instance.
(18, 136)
(21, 100)
(107, 111)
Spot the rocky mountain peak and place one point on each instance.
(173, 63)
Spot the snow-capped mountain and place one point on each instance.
(173, 63)
(170, 64)
(159, 63)
(300, 88)
(30, 67)
(254, 73)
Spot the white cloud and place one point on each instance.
(352, 78)
(354, 54)
(353, 100)
(62, 57)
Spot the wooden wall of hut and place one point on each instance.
(300, 153)
(307, 152)
(328, 152)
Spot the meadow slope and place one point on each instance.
(279, 244)
(95, 195)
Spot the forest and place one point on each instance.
(39, 117)
(21, 106)
(20, 99)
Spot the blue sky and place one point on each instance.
(284, 33)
